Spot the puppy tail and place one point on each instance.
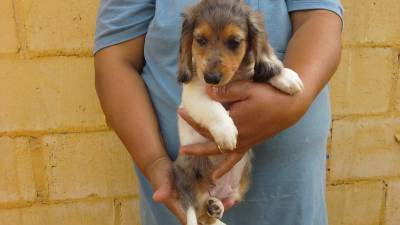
(191, 216)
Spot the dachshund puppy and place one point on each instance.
(222, 41)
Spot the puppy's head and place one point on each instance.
(220, 36)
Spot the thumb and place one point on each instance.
(226, 165)
(162, 193)
(231, 92)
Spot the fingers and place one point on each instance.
(226, 165)
(228, 203)
(172, 203)
(231, 92)
(166, 194)
(162, 193)
(209, 148)
(201, 130)
(177, 209)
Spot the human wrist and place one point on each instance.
(298, 104)
(154, 165)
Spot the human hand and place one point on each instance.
(259, 111)
(163, 182)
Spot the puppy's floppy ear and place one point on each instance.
(266, 64)
(185, 67)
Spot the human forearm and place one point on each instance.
(314, 50)
(126, 104)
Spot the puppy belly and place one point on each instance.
(228, 186)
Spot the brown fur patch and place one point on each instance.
(212, 51)
(205, 30)
(233, 30)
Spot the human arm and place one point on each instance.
(315, 47)
(313, 52)
(127, 107)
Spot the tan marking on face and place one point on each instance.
(233, 30)
(205, 30)
(199, 52)
(232, 58)
(217, 44)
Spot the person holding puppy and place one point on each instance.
(136, 52)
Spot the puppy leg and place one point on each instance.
(283, 79)
(191, 216)
(218, 222)
(270, 69)
(288, 81)
(187, 134)
(206, 220)
(209, 114)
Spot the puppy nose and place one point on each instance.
(212, 78)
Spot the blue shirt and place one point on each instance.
(289, 170)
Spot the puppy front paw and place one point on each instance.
(215, 208)
(288, 81)
(225, 134)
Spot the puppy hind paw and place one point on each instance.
(215, 208)
(288, 81)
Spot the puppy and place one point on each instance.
(222, 41)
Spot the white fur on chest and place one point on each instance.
(214, 117)
(209, 114)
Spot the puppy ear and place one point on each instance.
(185, 67)
(266, 64)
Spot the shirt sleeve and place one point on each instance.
(331, 5)
(122, 20)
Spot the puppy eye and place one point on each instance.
(202, 41)
(233, 44)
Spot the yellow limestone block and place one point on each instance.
(48, 94)
(365, 148)
(8, 32)
(88, 165)
(358, 204)
(363, 81)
